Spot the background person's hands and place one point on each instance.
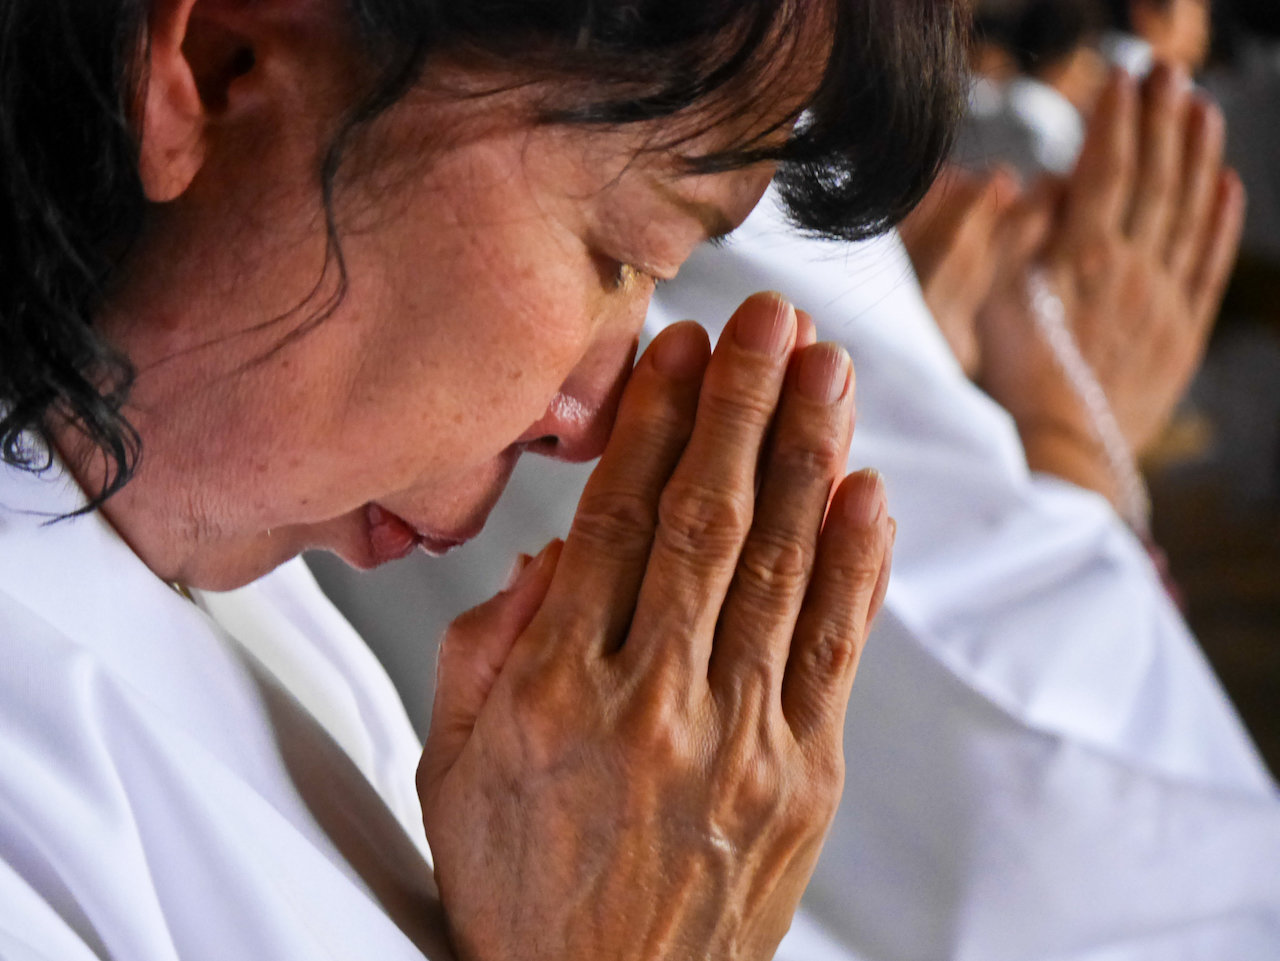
(1140, 250)
(635, 751)
(956, 238)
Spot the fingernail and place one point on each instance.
(521, 562)
(681, 352)
(764, 330)
(806, 329)
(824, 373)
(867, 507)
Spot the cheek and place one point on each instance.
(466, 358)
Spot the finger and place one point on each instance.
(472, 654)
(1218, 252)
(806, 330)
(882, 585)
(1159, 172)
(1206, 135)
(608, 546)
(1098, 192)
(832, 626)
(707, 507)
(806, 457)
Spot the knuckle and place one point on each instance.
(832, 651)
(815, 455)
(696, 520)
(749, 405)
(774, 567)
(855, 569)
(621, 522)
(654, 734)
(761, 787)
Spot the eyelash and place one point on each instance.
(625, 271)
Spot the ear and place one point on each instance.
(172, 147)
(196, 52)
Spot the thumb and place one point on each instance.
(472, 654)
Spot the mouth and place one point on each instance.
(392, 537)
(389, 537)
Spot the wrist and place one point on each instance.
(1069, 451)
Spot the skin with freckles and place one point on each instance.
(494, 303)
(636, 748)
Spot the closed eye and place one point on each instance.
(629, 277)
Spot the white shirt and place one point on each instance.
(170, 790)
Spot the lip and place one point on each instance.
(391, 537)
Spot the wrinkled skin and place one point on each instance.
(635, 751)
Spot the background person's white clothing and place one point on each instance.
(171, 791)
(1041, 766)
(1024, 124)
(1128, 51)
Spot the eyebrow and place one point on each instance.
(716, 224)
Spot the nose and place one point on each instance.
(575, 430)
(579, 419)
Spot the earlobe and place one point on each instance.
(172, 144)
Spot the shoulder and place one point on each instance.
(157, 785)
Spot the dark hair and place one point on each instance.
(868, 142)
(1259, 17)
(1050, 30)
(995, 21)
(1120, 12)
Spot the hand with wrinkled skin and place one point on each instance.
(635, 751)
(1139, 248)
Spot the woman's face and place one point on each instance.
(1179, 30)
(497, 285)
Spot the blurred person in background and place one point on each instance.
(1143, 32)
(1036, 123)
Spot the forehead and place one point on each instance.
(503, 132)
